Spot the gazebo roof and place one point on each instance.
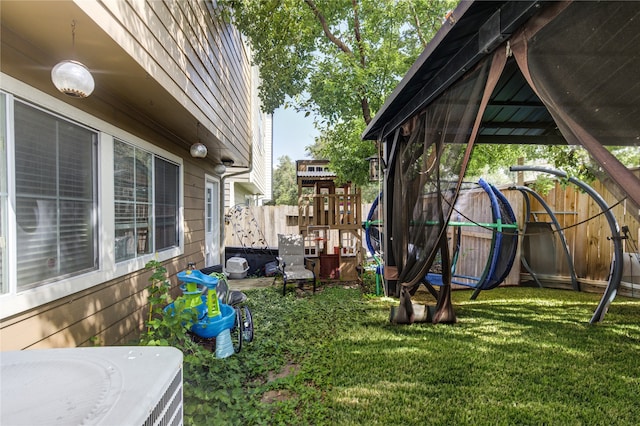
(474, 29)
(469, 33)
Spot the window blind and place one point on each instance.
(55, 188)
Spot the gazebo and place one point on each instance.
(507, 72)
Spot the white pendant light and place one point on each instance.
(220, 169)
(198, 150)
(71, 77)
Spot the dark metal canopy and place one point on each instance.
(470, 33)
(514, 114)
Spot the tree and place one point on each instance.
(574, 160)
(340, 59)
(336, 59)
(285, 187)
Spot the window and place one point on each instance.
(146, 190)
(76, 202)
(55, 197)
(166, 204)
(4, 195)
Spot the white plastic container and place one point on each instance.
(237, 268)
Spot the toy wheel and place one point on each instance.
(248, 325)
(237, 331)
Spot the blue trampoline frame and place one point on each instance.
(492, 276)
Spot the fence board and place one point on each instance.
(586, 231)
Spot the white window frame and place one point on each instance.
(14, 302)
(152, 200)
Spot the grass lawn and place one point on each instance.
(516, 356)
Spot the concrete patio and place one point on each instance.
(250, 283)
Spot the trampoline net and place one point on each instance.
(469, 245)
(481, 243)
(506, 242)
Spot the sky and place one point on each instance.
(292, 132)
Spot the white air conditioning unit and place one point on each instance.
(117, 385)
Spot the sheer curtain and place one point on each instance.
(582, 61)
(432, 155)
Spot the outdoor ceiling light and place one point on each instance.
(71, 77)
(198, 150)
(220, 169)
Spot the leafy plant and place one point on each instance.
(505, 361)
(543, 184)
(516, 356)
(167, 325)
(158, 290)
(369, 281)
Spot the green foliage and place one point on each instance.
(489, 157)
(331, 55)
(165, 328)
(336, 59)
(516, 356)
(285, 186)
(158, 292)
(628, 155)
(369, 281)
(493, 161)
(575, 161)
(370, 191)
(543, 184)
(342, 145)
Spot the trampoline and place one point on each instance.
(498, 229)
(497, 240)
(373, 238)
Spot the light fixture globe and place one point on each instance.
(198, 150)
(220, 169)
(73, 79)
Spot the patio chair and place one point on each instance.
(292, 264)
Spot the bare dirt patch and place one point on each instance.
(280, 394)
(276, 395)
(286, 371)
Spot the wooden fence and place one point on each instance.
(585, 228)
(589, 237)
(259, 226)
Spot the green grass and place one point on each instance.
(516, 356)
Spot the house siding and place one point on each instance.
(114, 312)
(200, 60)
(203, 64)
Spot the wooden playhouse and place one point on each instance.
(330, 220)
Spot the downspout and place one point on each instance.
(223, 179)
